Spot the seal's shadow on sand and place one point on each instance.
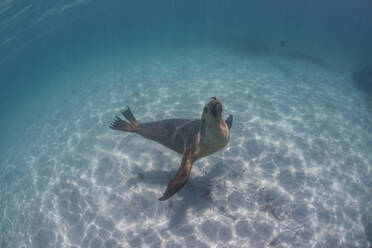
(197, 194)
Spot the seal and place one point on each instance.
(193, 139)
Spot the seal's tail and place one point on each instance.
(121, 125)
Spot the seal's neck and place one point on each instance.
(215, 135)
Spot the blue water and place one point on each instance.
(296, 75)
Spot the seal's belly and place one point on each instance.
(207, 149)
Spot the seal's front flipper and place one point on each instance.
(181, 177)
(229, 121)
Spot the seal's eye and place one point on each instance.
(205, 110)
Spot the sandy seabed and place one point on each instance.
(296, 173)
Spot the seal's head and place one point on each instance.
(212, 112)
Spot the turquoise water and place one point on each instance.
(297, 171)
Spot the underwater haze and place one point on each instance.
(296, 75)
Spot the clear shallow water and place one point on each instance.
(296, 173)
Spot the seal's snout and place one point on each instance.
(215, 99)
(217, 109)
(216, 106)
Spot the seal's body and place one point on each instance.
(193, 139)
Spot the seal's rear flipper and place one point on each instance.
(121, 125)
(130, 117)
(229, 121)
(181, 177)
